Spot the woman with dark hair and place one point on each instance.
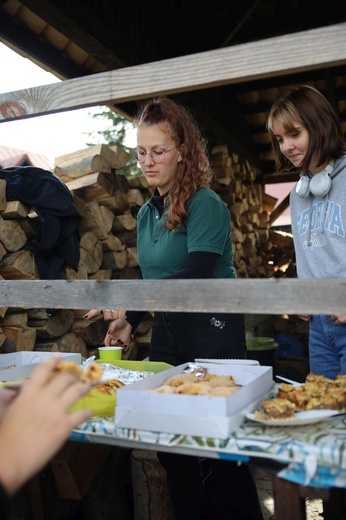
(306, 135)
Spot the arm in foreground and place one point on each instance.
(37, 422)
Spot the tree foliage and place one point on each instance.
(114, 134)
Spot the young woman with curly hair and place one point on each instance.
(184, 231)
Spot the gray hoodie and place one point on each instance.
(319, 229)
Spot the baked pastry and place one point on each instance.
(91, 374)
(216, 380)
(180, 379)
(109, 387)
(224, 391)
(163, 389)
(194, 389)
(190, 384)
(278, 408)
(317, 393)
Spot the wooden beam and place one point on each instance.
(276, 178)
(254, 296)
(53, 16)
(275, 214)
(278, 56)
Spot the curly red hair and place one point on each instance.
(194, 170)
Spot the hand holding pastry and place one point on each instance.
(37, 422)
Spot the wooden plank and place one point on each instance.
(257, 296)
(272, 57)
(92, 186)
(15, 209)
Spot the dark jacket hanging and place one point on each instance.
(57, 242)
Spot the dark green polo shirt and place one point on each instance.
(162, 252)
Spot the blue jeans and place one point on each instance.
(327, 347)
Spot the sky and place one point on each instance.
(50, 135)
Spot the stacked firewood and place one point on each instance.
(107, 202)
(259, 251)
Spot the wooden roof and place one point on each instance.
(225, 60)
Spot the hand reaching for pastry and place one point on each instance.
(36, 422)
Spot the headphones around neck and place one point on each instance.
(319, 184)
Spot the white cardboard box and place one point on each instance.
(204, 416)
(18, 365)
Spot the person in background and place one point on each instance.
(34, 424)
(184, 232)
(306, 136)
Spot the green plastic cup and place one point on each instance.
(110, 353)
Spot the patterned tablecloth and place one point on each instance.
(313, 454)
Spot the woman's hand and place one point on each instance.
(118, 334)
(37, 422)
(339, 319)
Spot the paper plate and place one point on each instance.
(299, 419)
(229, 361)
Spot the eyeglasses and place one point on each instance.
(157, 155)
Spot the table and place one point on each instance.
(312, 455)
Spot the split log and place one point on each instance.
(81, 274)
(11, 235)
(19, 266)
(139, 182)
(128, 273)
(18, 339)
(3, 251)
(121, 157)
(118, 202)
(135, 197)
(37, 314)
(92, 220)
(83, 167)
(132, 260)
(95, 158)
(124, 223)
(107, 216)
(30, 225)
(112, 243)
(91, 252)
(15, 320)
(15, 210)
(129, 238)
(101, 274)
(69, 342)
(79, 203)
(94, 186)
(115, 261)
(55, 326)
(121, 182)
(92, 331)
